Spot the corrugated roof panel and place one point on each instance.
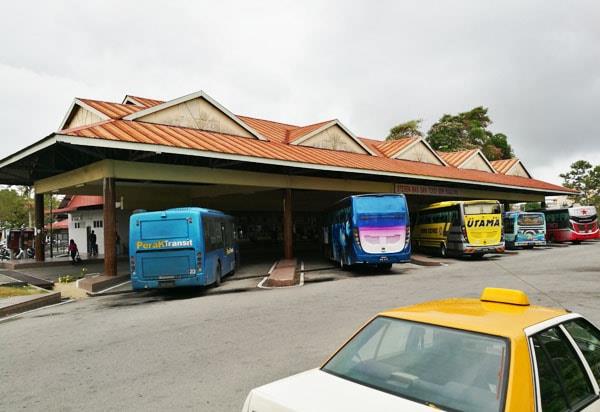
(390, 148)
(222, 143)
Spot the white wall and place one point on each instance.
(86, 218)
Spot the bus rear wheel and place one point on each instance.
(218, 274)
(443, 250)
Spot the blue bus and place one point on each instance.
(371, 229)
(181, 247)
(524, 229)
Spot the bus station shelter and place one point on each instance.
(276, 178)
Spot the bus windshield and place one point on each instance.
(531, 220)
(482, 209)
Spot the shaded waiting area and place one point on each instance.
(275, 178)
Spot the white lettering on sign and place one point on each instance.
(425, 190)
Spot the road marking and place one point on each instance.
(36, 309)
(107, 289)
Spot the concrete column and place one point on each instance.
(110, 227)
(288, 232)
(39, 227)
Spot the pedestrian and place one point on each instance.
(73, 251)
(93, 240)
(117, 244)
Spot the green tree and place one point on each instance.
(406, 129)
(469, 130)
(584, 178)
(13, 209)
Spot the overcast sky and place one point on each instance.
(371, 64)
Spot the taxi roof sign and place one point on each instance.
(509, 296)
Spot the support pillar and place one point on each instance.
(39, 227)
(288, 232)
(506, 206)
(110, 226)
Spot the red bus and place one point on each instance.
(572, 225)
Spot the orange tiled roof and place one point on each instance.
(154, 134)
(271, 130)
(456, 158)
(112, 110)
(391, 147)
(145, 101)
(504, 165)
(373, 145)
(78, 201)
(296, 134)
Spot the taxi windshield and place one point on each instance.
(447, 368)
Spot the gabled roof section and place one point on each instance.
(306, 135)
(468, 159)
(150, 114)
(141, 101)
(411, 148)
(513, 167)
(89, 111)
(274, 131)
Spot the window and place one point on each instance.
(509, 224)
(213, 233)
(97, 223)
(77, 225)
(449, 368)
(587, 338)
(482, 208)
(564, 384)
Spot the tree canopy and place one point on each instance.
(14, 209)
(469, 130)
(585, 178)
(406, 129)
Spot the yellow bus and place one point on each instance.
(456, 228)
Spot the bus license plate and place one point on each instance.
(166, 283)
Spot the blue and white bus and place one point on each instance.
(181, 247)
(524, 229)
(371, 229)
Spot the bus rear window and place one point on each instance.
(530, 220)
(164, 229)
(482, 209)
(379, 204)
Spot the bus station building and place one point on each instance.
(276, 178)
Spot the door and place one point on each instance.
(565, 378)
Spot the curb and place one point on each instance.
(34, 302)
(417, 261)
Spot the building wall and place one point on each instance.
(334, 138)
(477, 163)
(518, 170)
(82, 117)
(197, 114)
(419, 153)
(80, 220)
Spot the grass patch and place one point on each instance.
(9, 291)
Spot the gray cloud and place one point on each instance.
(370, 64)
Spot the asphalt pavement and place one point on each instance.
(196, 350)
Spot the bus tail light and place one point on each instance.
(132, 264)
(407, 240)
(356, 236)
(463, 228)
(199, 261)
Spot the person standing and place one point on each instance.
(93, 240)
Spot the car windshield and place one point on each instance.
(443, 367)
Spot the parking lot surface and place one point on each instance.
(204, 350)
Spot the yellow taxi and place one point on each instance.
(495, 353)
